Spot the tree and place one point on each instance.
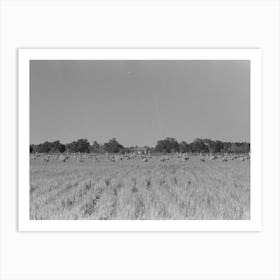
(56, 147)
(184, 147)
(72, 147)
(167, 145)
(31, 149)
(239, 147)
(96, 148)
(44, 147)
(214, 146)
(83, 146)
(113, 146)
(199, 146)
(226, 147)
(79, 146)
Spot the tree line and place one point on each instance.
(167, 145)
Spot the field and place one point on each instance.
(134, 189)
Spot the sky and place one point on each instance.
(139, 102)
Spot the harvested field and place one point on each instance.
(130, 189)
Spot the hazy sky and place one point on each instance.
(139, 102)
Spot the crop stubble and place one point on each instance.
(132, 189)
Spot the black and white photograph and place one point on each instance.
(140, 139)
(139, 135)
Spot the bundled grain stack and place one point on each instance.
(63, 158)
(202, 158)
(213, 157)
(186, 157)
(46, 159)
(165, 158)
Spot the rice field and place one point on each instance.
(131, 189)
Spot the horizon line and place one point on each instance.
(136, 145)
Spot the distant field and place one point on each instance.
(133, 189)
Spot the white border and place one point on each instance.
(254, 55)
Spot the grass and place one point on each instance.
(132, 189)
